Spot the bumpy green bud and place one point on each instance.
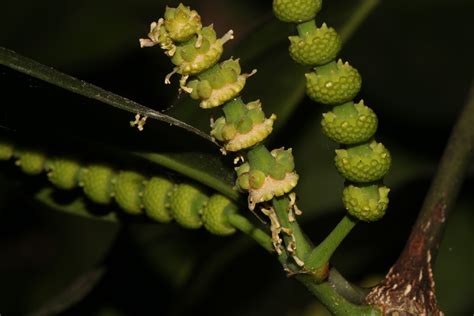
(64, 173)
(296, 11)
(243, 168)
(31, 162)
(243, 181)
(350, 123)
(316, 48)
(256, 179)
(334, 83)
(96, 181)
(186, 204)
(6, 150)
(363, 163)
(182, 23)
(128, 187)
(218, 79)
(367, 203)
(284, 158)
(215, 215)
(156, 199)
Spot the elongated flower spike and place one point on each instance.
(243, 126)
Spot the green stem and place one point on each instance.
(306, 28)
(351, 292)
(334, 302)
(245, 226)
(281, 207)
(34, 69)
(360, 14)
(319, 256)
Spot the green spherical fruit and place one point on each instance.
(335, 83)
(96, 181)
(156, 198)
(31, 162)
(350, 124)
(186, 204)
(296, 11)
(367, 202)
(363, 163)
(215, 215)
(128, 186)
(64, 173)
(317, 48)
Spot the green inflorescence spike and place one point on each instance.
(31, 162)
(96, 181)
(127, 188)
(186, 205)
(156, 199)
(64, 173)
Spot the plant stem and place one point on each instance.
(245, 226)
(360, 14)
(34, 69)
(409, 285)
(349, 291)
(321, 255)
(334, 302)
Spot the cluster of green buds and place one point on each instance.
(361, 160)
(267, 174)
(195, 51)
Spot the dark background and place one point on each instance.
(416, 62)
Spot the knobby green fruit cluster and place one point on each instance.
(243, 126)
(361, 160)
(160, 198)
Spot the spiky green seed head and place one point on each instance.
(156, 197)
(350, 127)
(182, 23)
(96, 181)
(186, 205)
(317, 48)
(215, 215)
(335, 85)
(64, 173)
(31, 162)
(296, 11)
(366, 202)
(6, 149)
(256, 179)
(363, 163)
(128, 186)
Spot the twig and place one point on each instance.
(409, 285)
